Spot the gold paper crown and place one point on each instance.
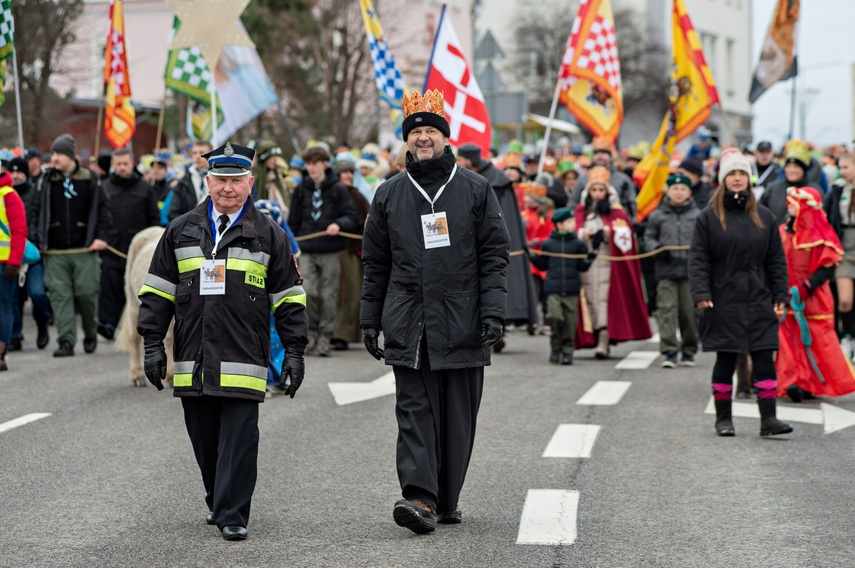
(430, 102)
(798, 150)
(599, 174)
(602, 143)
(532, 189)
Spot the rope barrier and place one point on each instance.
(115, 251)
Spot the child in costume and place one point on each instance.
(810, 361)
(563, 283)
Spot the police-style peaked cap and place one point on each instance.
(230, 160)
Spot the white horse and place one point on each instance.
(140, 254)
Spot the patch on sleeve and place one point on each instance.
(254, 280)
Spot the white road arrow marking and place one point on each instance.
(348, 393)
(26, 419)
(832, 418)
(637, 360)
(549, 517)
(604, 393)
(572, 441)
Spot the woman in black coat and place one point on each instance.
(738, 276)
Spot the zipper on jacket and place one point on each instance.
(416, 362)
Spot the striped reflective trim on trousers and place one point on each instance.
(293, 295)
(183, 374)
(243, 375)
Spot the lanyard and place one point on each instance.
(438, 193)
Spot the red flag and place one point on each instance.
(589, 82)
(465, 108)
(119, 117)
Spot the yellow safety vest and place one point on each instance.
(5, 237)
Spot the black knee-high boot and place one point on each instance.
(723, 421)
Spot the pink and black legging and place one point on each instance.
(764, 376)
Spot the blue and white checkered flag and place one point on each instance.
(390, 85)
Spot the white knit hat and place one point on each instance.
(732, 160)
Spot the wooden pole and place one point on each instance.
(18, 100)
(100, 122)
(160, 122)
(734, 142)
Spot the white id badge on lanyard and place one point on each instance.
(435, 229)
(212, 278)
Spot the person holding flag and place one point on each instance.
(119, 116)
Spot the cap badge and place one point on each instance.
(229, 151)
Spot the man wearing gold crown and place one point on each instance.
(435, 251)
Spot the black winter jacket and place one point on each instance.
(58, 222)
(671, 225)
(337, 208)
(133, 206)
(743, 272)
(441, 293)
(831, 205)
(562, 274)
(184, 196)
(222, 342)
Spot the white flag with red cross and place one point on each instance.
(465, 108)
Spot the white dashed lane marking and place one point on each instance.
(549, 517)
(572, 441)
(638, 360)
(26, 419)
(605, 393)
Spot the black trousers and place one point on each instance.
(224, 435)
(436, 412)
(111, 302)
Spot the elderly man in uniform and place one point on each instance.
(221, 269)
(435, 251)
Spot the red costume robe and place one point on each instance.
(627, 310)
(537, 230)
(813, 244)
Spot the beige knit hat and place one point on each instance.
(732, 160)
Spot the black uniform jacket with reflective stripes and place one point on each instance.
(222, 342)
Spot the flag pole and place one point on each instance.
(100, 121)
(213, 90)
(549, 125)
(18, 100)
(727, 125)
(160, 122)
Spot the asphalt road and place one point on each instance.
(109, 479)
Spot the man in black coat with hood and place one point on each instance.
(133, 205)
(522, 299)
(435, 250)
(321, 204)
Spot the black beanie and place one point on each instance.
(471, 152)
(425, 119)
(19, 165)
(65, 144)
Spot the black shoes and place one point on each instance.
(210, 518)
(14, 344)
(106, 331)
(44, 338)
(89, 344)
(65, 349)
(455, 517)
(774, 427)
(415, 515)
(554, 357)
(234, 533)
(338, 344)
(725, 428)
(567, 359)
(499, 345)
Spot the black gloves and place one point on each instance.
(293, 369)
(597, 239)
(664, 254)
(491, 330)
(592, 254)
(11, 271)
(154, 360)
(369, 338)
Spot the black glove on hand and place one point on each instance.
(154, 360)
(491, 330)
(664, 254)
(293, 369)
(597, 239)
(592, 254)
(370, 336)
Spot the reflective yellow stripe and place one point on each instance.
(260, 257)
(243, 381)
(190, 264)
(293, 295)
(146, 289)
(248, 266)
(182, 380)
